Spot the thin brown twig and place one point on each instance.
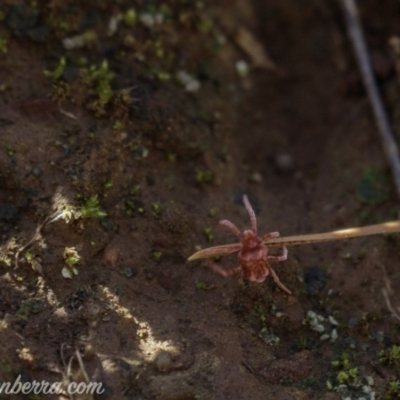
(342, 234)
(364, 63)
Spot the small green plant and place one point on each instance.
(393, 390)
(130, 17)
(101, 76)
(205, 25)
(345, 375)
(118, 125)
(209, 234)
(130, 208)
(135, 207)
(204, 177)
(135, 190)
(156, 207)
(58, 71)
(28, 256)
(212, 213)
(10, 151)
(390, 356)
(329, 385)
(260, 312)
(202, 285)
(157, 255)
(108, 185)
(91, 208)
(302, 342)
(3, 45)
(171, 157)
(71, 257)
(34, 262)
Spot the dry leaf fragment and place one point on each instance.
(254, 49)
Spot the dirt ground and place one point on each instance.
(128, 130)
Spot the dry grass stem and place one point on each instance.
(378, 229)
(363, 59)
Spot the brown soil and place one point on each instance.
(299, 140)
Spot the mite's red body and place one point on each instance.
(253, 254)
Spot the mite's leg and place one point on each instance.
(278, 282)
(283, 257)
(224, 272)
(232, 227)
(269, 236)
(252, 214)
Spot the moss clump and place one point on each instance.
(156, 208)
(58, 71)
(209, 234)
(390, 356)
(204, 177)
(3, 45)
(157, 255)
(91, 208)
(346, 375)
(130, 17)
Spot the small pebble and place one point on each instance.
(140, 153)
(37, 171)
(256, 177)
(268, 338)
(311, 314)
(366, 389)
(379, 336)
(149, 20)
(74, 42)
(370, 380)
(190, 83)
(242, 68)
(333, 320)
(334, 335)
(113, 24)
(129, 272)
